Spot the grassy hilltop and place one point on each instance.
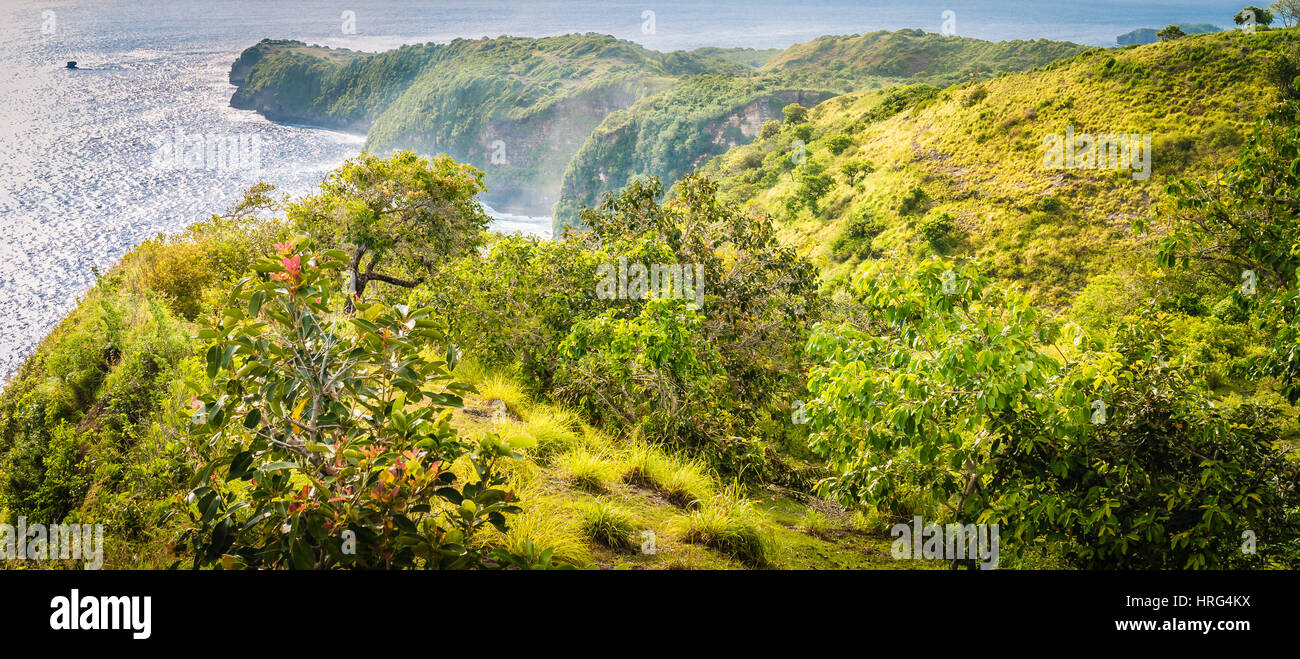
(884, 59)
(677, 130)
(917, 171)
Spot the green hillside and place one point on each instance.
(887, 306)
(961, 171)
(337, 88)
(522, 109)
(882, 59)
(675, 132)
(100, 424)
(751, 57)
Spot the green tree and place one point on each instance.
(1171, 32)
(1241, 228)
(326, 439)
(404, 208)
(855, 169)
(838, 143)
(652, 370)
(759, 296)
(795, 113)
(814, 183)
(1262, 16)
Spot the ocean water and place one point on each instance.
(85, 171)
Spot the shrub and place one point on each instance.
(863, 225)
(1051, 204)
(975, 96)
(552, 432)
(652, 370)
(1282, 72)
(750, 160)
(543, 524)
(1170, 152)
(855, 169)
(912, 201)
(178, 270)
(690, 376)
(938, 230)
(836, 144)
(1042, 454)
(856, 237)
(814, 183)
(815, 523)
(897, 99)
(344, 462)
(514, 305)
(586, 470)
(795, 113)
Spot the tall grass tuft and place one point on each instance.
(603, 522)
(683, 482)
(728, 523)
(587, 470)
(548, 525)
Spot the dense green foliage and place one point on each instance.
(975, 152)
(322, 441)
(410, 209)
(568, 118)
(961, 389)
(517, 108)
(696, 370)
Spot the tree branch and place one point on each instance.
(405, 283)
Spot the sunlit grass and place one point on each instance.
(548, 524)
(553, 432)
(586, 470)
(815, 523)
(504, 388)
(729, 523)
(683, 482)
(608, 524)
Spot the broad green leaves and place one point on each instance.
(960, 388)
(328, 437)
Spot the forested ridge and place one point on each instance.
(531, 111)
